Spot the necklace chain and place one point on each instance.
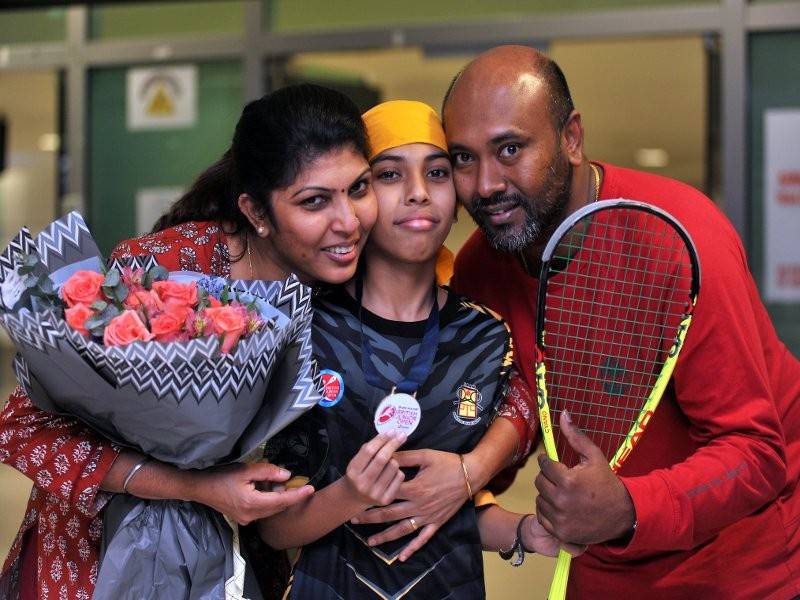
(596, 177)
(596, 181)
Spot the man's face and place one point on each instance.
(509, 169)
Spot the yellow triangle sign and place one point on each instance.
(161, 103)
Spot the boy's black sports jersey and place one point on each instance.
(458, 400)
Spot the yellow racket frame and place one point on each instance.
(558, 587)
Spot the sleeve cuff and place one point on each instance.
(655, 513)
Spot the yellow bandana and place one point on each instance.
(399, 122)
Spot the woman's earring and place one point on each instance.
(260, 230)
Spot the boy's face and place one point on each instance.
(416, 202)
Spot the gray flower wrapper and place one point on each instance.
(183, 403)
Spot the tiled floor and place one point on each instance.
(502, 580)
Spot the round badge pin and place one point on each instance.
(398, 412)
(332, 387)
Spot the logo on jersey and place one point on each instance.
(468, 404)
(332, 387)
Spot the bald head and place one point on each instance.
(516, 70)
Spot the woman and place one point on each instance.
(291, 195)
(423, 367)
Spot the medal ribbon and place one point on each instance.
(423, 362)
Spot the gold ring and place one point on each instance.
(413, 523)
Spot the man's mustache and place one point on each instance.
(482, 203)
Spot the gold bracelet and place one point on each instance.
(466, 476)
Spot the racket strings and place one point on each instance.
(612, 310)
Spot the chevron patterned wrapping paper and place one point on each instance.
(184, 403)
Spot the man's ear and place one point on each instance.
(251, 210)
(572, 138)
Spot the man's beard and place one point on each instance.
(542, 215)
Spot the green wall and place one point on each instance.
(122, 162)
(30, 26)
(299, 15)
(774, 83)
(166, 19)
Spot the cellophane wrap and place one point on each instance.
(182, 403)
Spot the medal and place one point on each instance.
(400, 410)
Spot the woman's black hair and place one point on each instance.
(276, 136)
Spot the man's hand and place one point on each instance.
(431, 498)
(587, 504)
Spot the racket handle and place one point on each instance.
(558, 588)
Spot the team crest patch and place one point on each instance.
(332, 387)
(468, 404)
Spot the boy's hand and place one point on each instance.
(373, 476)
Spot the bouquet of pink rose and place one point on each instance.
(121, 307)
(125, 348)
(189, 369)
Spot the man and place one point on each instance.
(705, 505)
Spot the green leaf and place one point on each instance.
(31, 281)
(25, 270)
(95, 322)
(223, 297)
(112, 278)
(159, 273)
(46, 285)
(98, 306)
(30, 260)
(120, 292)
(108, 292)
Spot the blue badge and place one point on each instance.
(332, 387)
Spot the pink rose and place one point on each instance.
(169, 325)
(229, 322)
(145, 300)
(76, 317)
(126, 328)
(83, 287)
(174, 293)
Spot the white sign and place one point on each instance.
(162, 97)
(782, 204)
(151, 203)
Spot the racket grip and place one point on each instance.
(558, 587)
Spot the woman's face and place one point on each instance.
(416, 202)
(321, 220)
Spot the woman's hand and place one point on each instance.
(373, 476)
(431, 499)
(234, 490)
(536, 539)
